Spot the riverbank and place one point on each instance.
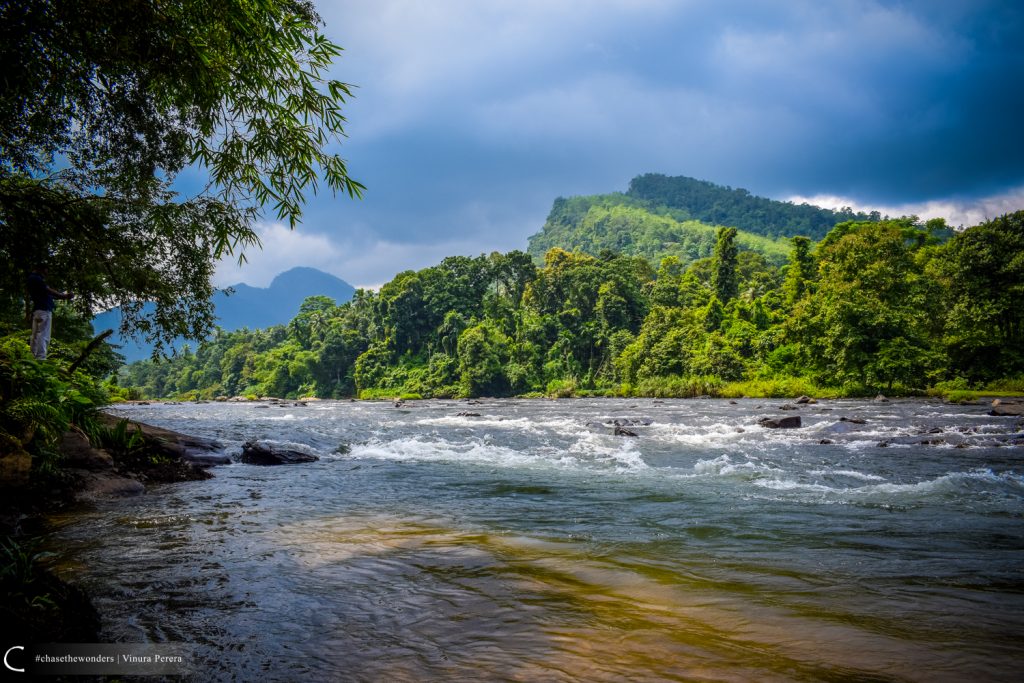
(37, 605)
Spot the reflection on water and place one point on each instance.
(532, 544)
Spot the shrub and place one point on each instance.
(1010, 384)
(961, 396)
(778, 387)
(38, 400)
(679, 387)
(562, 388)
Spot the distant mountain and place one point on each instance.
(247, 306)
(258, 307)
(678, 216)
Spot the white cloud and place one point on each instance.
(282, 249)
(957, 212)
(362, 259)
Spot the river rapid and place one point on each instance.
(526, 541)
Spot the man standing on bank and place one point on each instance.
(42, 296)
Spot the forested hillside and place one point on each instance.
(621, 224)
(878, 305)
(677, 216)
(710, 203)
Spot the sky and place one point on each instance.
(470, 117)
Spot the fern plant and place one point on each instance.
(38, 401)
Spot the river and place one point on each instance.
(526, 541)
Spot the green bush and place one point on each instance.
(1010, 384)
(379, 394)
(679, 387)
(39, 400)
(779, 387)
(562, 388)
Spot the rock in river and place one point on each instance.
(791, 422)
(257, 453)
(1005, 408)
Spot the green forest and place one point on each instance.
(893, 305)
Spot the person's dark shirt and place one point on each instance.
(42, 300)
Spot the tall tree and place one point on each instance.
(724, 276)
(868, 320)
(799, 272)
(982, 272)
(104, 104)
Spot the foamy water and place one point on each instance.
(531, 543)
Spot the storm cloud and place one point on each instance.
(470, 118)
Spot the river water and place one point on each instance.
(529, 542)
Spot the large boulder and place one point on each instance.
(197, 450)
(79, 454)
(1002, 407)
(789, 422)
(261, 453)
(15, 463)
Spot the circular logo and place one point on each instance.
(7, 654)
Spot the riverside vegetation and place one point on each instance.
(103, 106)
(891, 305)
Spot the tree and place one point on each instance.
(724, 278)
(483, 352)
(103, 105)
(867, 322)
(799, 272)
(981, 271)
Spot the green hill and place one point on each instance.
(620, 224)
(664, 216)
(689, 198)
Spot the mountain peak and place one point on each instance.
(252, 307)
(304, 274)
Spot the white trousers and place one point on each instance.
(42, 321)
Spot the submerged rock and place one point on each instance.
(842, 427)
(96, 485)
(630, 421)
(466, 413)
(791, 422)
(622, 431)
(256, 453)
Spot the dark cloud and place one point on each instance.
(470, 118)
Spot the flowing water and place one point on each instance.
(529, 542)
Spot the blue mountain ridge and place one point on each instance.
(247, 306)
